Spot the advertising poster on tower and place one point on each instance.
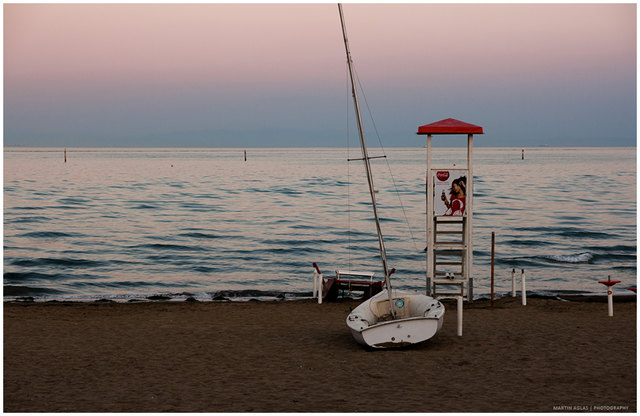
(450, 193)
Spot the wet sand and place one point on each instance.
(298, 356)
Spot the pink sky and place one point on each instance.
(269, 54)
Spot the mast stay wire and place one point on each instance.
(347, 107)
(393, 180)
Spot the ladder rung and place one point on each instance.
(443, 294)
(448, 263)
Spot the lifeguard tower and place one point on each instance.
(449, 216)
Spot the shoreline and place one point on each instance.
(298, 356)
(239, 296)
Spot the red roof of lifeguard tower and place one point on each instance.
(450, 126)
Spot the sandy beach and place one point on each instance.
(298, 356)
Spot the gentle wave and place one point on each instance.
(26, 219)
(527, 243)
(59, 263)
(18, 291)
(200, 235)
(48, 234)
(575, 258)
(569, 232)
(17, 277)
(545, 259)
(168, 247)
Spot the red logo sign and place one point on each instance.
(442, 175)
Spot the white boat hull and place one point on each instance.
(418, 318)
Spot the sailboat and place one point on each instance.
(392, 318)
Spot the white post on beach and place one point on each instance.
(524, 289)
(459, 299)
(317, 282)
(609, 284)
(513, 283)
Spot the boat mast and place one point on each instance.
(367, 164)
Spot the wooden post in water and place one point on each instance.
(522, 154)
(245, 155)
(65, 155)
(493, 248)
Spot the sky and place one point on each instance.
(275, 75)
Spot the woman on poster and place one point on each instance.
(458, 192)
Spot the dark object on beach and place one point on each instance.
(333, 287)
(281, 296)
(191, 299)
(245, 293)
(598, 298)
(104, 301)
(159, 297)
(346, 281)
(219, 296)
(188, 294)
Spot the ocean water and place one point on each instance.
(129, 223)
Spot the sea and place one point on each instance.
(132, 224)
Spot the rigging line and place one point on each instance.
(348, 170)
(393, 180)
